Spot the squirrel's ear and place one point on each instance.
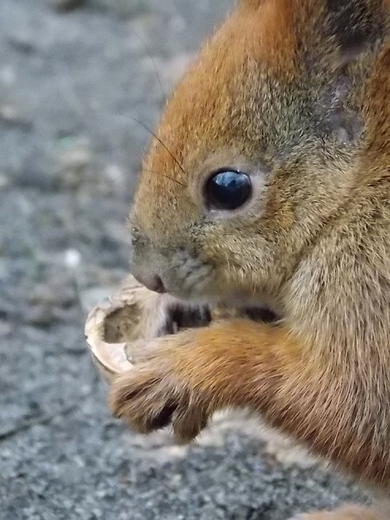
(341, 46)
(348, 27)
(354, 25)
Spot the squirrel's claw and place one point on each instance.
(151, 396)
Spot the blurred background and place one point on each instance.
(74, 78)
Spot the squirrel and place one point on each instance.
(268, 183)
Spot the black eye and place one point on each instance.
(228, 189)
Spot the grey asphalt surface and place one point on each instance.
(71, 84)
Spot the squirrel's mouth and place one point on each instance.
(180, 318)
(262, 314)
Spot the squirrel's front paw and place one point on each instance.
(347, 512)
(158, 392)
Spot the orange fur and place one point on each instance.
(296, 93)
(345, 513)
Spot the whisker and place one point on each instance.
(78, 107)
(154, 64)
(167, 177)
(162, 144)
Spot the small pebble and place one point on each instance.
(67, 5)
(73, 163)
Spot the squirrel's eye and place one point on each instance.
(227, 190)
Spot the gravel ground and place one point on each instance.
(74, 78)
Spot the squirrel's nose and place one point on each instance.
(152, 282)
(156, 285)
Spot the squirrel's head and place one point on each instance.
(279, 119)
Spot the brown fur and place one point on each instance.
(296, 93)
